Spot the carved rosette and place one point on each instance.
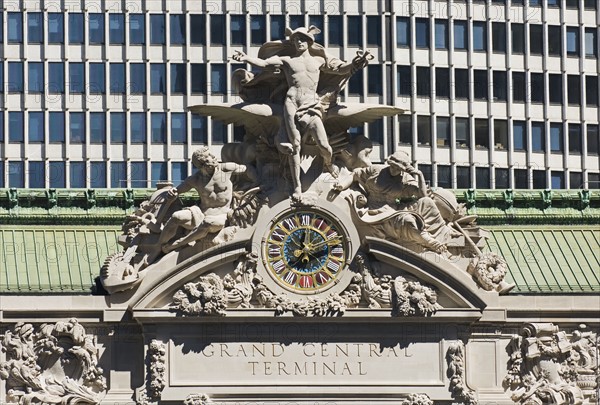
(58, 363)
(455, 356)
(547, 366)
(417, 399)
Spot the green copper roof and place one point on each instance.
(67, 259)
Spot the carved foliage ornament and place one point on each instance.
(57, 363)
(548, 367)
(455, 356)
(155, 383)
(417, 399)
(211, 295)
(197, 399)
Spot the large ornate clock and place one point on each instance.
(306, 250)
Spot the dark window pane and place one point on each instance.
(590, 4)
(15, 77)
(159, 173)
(97, 174)
(444, 176)
(35, 77)
(443, 131)
(591, 90)
(199, 125)
(56, 29)
(159, 127)
(480, 84)
(575, 140)
(482, 178)
(15, 126)
(554, 40)
(539, 179)
(36, 127)
(57, 175)
(555, 88)
(355, 84)
(461, 83)
(178, 171)
(139, 174)
(404, 81)
(536, 39)
(594, 181)
(518, 38)
(405, 128)
(198, 29)
(116, 28)
(76, 77)
(137, 29)
(374, 79)
(499, 37)
(374, 31)
(572, 41)
(238, 29)
(500, 134)
(556, 138)
(158, 79)
(479, 36)
(37, 174)
(482, 134)
(218, 78)
(219, 132)
(463, 177)
(296, 21)
(460, 35)
(403, 31)
(258, 31)
(178, 128)
(500, 85)
(422, 32)
(423, 130)
(501, 178)
(317, 21)
(198, 75)
(519, 135)
(97, 78)
(423, 82)
(575, 180)
(217, 29)
(441, 34)
(463, 136)
(96, 28)
(117, 127)
(118, 174)
(77, 127)
(278, 27)
(518, 86)
(15, 27)
(35, 28)
(157, 29)
(354, 30)
(537, 87)
(56, 126)
(521, 181)
(117, 78)
(137, 78)
(97, 127)
(178, 78)
(177, 27)
(56, 77)
(137, 127)
(593, 140)
(75, 28)
(442, 82)
(376, 131)
(574, 89)
(77, 174)
(538, 137)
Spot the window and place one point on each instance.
(594, 181)
(463, 137)
(442, 82)
(374, 31)
(479, 36)
(591, 42)
(554, 40)
(137, 127)
(15, 77)
(574, 89)
(554, 3)
(572, 3)
(35, 28)
(521, 180)
(460, 35)
(537, 87)
(96, 28)
(117, 78)
(15, 28)
(444, 176)
(376, 131)
(158, 79)
(258, 32)
(178, 78)
(35, 77)
(157, 29)
(423, 130)
(463, 177)
(427, 172)
(77, 127)
(575, 180)
(480, 84)
(499, 37)
(116, 29)
(219, 132)
(404, 81)
(197, 29)
(590, 4)
(55, 28)
(443, 131)
(555, 88)
(500, 85)
(441, 34)
(139, 174)
(37, 174)
(238, 29)
(36, 127)
(178, 128)
(97, 78)
(177, 28)
(218, 80)
(56, 126)
(575, 138)
(117, 127)
(482, 178)
(402, 31)
(519, 135)
(572, 41)
(199, 125)
(354, 30)
(57, 175)
(137, 29)
(56, 77)
(423, 81)
(137, 78)
(461, 83)
(518, 87)
(15, 126)
(482, 140)
(178, 171)
(317, 21)
(405, 128)
(375, 86)
(518, 38)
(500, 134)
(336, 30)
(278, 28)
(422, 32)
(297, 20)
(118, 174)
(536, 39)
(539, 179)
(501, 178)
(158, 173)
(538, 137)
(97, 127)
(77, 174)
(591, 90)
(76, 78)
(159, 127)
(76, 28)
(98, 175)
(556, 138)
(198, 76)
(593, 140)
(355, 84)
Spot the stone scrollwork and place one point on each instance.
(548, 367)
(455, 356)
(417, 399)
(57, 363)
(197, 399)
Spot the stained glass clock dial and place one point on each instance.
(305, 251)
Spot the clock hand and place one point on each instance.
(333, 241)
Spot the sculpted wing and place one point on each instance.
(341, 117)
(258, 119)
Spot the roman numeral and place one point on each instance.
(279, 266)
(338, 251)
(305, 220)
(332, 235)
(278, 234)
(333, 266)
(290, 224)
(322, 278)
(274, 251)
(290, 278)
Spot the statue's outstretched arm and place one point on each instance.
(258, 62)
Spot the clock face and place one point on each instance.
(305, 251)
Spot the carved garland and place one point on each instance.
(58, 363)
(155, 358)
(417, 399)
(197, 399)
(455, 356)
